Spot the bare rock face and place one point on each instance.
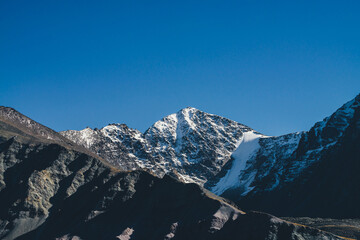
(51, 191)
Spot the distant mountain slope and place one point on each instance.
(114, 142)
(11, 117)
(264, 158)
(190, 145)
(257, 171)
(316, 174)
(50, 191)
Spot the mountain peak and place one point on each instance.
(198, 141)
(10, 113)
(189, 109)
(3, 108)
(331, 129)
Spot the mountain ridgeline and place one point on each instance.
(190, 145)
(320, 177)
(311, 173)
(51, 188)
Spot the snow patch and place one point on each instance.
(247, 148)
(86, 137)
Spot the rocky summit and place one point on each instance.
(54, 189)
(190, 145)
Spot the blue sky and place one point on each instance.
(277, 66)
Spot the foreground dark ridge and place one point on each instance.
(49, 191)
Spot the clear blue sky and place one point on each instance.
(277, 66)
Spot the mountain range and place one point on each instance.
(118, 183)
(272, 174)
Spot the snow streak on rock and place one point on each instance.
(248, 147)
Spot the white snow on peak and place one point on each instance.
(187, 137)
(173, 127)
(248, 146)
(165, 123)
(85, 137)
(173, 123)
(186, 115)
(185, 122)
(339, 120)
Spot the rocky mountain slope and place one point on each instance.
(316, 174)
(190, 145)
(256, 157)
(50, 190)
(239, 163)
(349, 228)
(15, 124)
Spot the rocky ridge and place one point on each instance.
(190, 145)
(316, 177)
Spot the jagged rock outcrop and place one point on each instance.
(51, 191)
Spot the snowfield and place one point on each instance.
(248, 146)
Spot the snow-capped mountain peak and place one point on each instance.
(175, 125)
(226, 157)
(190, 144)
(329, 130)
